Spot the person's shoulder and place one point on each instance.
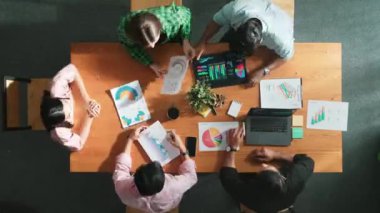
(305, 160)
(176, 8)
(181, 7)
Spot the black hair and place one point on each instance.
(271, 182)
(143, 28)
(149, 178)
(52, 113)
(247, 37)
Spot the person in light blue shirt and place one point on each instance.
(253, 23)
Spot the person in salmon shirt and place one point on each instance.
(57, 109)
(150, 189)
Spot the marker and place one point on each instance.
(210, 72)
(204, 66)
(202, 60)
(203, 73)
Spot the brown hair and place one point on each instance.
(143, 28)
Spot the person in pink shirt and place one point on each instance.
(150, 189)
(57, 109)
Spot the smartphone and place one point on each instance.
(191, 144)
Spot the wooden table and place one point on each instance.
(106, 65)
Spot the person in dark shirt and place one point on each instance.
(270, 190)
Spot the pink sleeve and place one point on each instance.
(123, 166)
(68, 138)
(122, 177)
(60, 87)
(187, 176)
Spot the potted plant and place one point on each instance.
(203, 100)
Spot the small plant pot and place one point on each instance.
(204, 110)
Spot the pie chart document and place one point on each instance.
(213, 135)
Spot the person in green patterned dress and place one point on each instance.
(146, 28)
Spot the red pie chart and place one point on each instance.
(212, 138)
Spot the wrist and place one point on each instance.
(284, 157)
(278, 156)
(184, 152)
(232, 148)
(86, 98)
(128, 146)
(182, 149)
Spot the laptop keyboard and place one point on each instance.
(265, 125)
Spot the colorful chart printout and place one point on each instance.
(157, 147)
(240, 71)
(281, 93)
(130, 104)
(126, 93)
(328, 115)
(213, 135)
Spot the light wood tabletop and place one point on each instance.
(104, 66)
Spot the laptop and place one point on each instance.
(269, 127)
(221, 69)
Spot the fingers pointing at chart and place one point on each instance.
(158, 70)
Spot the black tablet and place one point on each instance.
(221, 69)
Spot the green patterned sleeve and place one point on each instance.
(137, 52)
(185, 16)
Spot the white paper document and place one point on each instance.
(176, 73)
(234, 108)
(328, 115)
(213, 135)
(130, 104)
(154, 142)
(281, 93)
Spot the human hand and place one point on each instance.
(175, 140)
(136, 133)
(264, 155)
(236, 136)
(158, 70)
(188, 49)
(255, 79)
(200, 48)
(93, 108)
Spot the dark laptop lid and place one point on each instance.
(277, 119)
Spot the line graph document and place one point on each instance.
(281, 93)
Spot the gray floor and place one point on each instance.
(34, 42)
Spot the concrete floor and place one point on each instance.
(34, 42)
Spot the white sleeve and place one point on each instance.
(280, 34)
(223, 16)
(282, 47)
